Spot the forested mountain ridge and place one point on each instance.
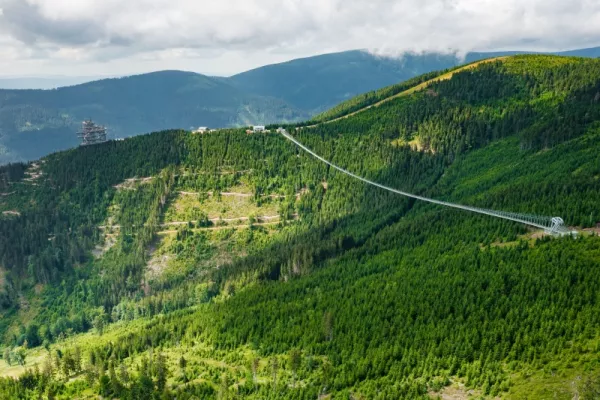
(378, 97)
(229, 265)
(34, 123)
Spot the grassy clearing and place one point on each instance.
(204, 248)
(455, 391)
(561, 386)
(414, 143)
(34, 357)
(564, 378)
(189, 206)
(184, 249)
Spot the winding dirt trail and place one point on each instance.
(235, 194)
(259, 219)
(219, 228)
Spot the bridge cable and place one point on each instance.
(553, 225)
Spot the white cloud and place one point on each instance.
(210, 35)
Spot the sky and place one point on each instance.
(223, 37)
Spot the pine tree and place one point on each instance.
(161, 372)
(6, 356)
(274, 370)
(295, 359)
(255, 364)
(328, 326)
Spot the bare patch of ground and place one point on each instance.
(260, 220)
(12, 212)
(218, 228)
(157, 262)
(234, 194)
(23, 303)
(535, 234)
(33, 173)
(110, 239)
(414, 144)
(593, 231)
(111, 235)
(129, 184)
(222, 172)
(456, 391)
(530, 237)
(38, 288)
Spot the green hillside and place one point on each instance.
(378, 97)
(35, 123)
(233, 265)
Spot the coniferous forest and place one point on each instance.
(233, 265)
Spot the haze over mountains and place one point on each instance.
(34, 123)
(44, 82)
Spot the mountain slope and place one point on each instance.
(318, 83)
(369, 99)
(321, 82)
(35, 123)
(128, 106)
(377, 98)
(228, 264)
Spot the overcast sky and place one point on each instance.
(222, 37)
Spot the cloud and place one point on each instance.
(92, 31)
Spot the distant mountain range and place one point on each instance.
(34, 123)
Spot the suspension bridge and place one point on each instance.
(551, 225)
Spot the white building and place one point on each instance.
(258, 128)
(201, 129)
